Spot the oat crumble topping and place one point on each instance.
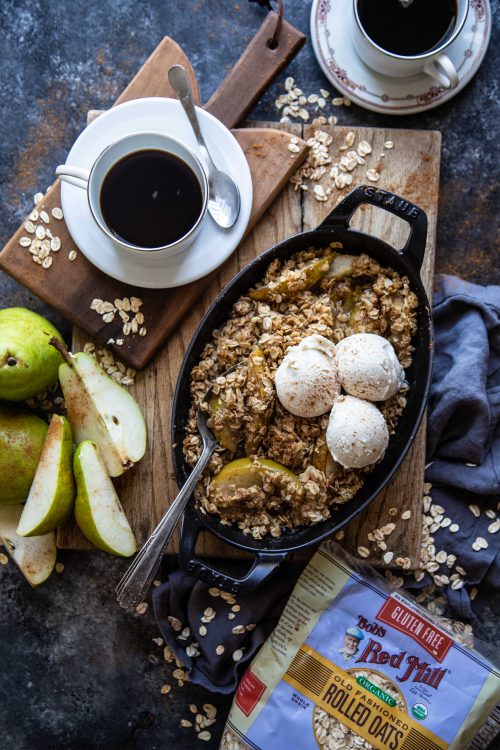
(297, 298)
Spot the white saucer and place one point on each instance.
(212, 245)
(334, 50)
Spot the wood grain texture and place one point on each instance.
(412, 170)
(70, 287)
(264, 62)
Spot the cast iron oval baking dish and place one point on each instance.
(335, 228)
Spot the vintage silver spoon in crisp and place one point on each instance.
(139, 576)
(223, 193)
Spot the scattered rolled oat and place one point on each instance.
(37, 198)
(388, 557)
(165, 689)
(175, 623)
(494, 527)
(364, 148)
(454, 528)
(25, 242)
(406, 515)
(474, 509)
(185, 723)
(59, 567)
(114, 368)
(220, 650)
(3, 559)
(202, 630)
(363, 552)
(388, 144)
(238, 629)
(372, 175)
(237, 655)
(388, 528)
(210, 710)
(44, 217)
(57, 213)
(141, 608)
(204, 735)
(481, 543)
(208, 614)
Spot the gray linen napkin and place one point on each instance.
(464, 451)
(463, 435)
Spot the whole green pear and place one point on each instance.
(28, 362)
(22, 436)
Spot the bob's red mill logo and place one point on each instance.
(397, 614)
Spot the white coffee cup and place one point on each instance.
(92, 180)
(434, 63)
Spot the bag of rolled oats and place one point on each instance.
(354, 664)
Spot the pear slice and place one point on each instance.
(52, 493)
(36, 556)
(98, 511)
(248, 472)
(291, 283)
(101, 410)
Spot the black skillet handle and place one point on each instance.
(263, 565)
(416, 218)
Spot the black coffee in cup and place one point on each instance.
(150, 198)
(408, 28)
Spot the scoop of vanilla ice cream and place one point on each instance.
(306, 380)
(357, 433)
(368, 367)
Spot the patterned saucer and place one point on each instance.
(334, 50)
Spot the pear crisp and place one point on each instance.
(273, 470)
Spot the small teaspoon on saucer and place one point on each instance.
(224, 196)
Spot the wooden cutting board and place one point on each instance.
(410, 169)
(70, 286)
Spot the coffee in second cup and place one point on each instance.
(408, 27)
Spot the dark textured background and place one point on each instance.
(76, 672)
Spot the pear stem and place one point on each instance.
(57, 344)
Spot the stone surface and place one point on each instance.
(76, 672)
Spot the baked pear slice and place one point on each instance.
(98, 510)
(35, 556)
(293, 282)
(244, 473)
(52, 493)
(259, 384)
